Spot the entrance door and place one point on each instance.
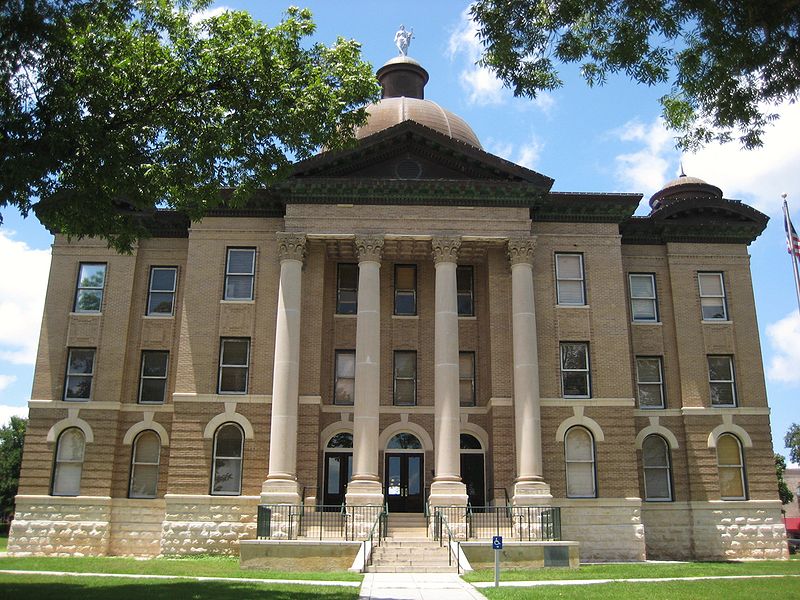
(338, 469)
(473, 478)
(404, 482)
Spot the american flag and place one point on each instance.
(792, 239)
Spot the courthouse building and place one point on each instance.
(417, 321)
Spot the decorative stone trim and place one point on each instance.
(229, 416)
(72, 420)
(580, 420)
(291, 246)
(369, 248)
(520, 250)
(728, 426)
(445, 249)
(477, 431)
(331, 430)
(655, 429)
(403, 426)
(145, 424)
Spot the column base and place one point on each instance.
(280, 491)
(448, 493)
(531, 493)
(364, 492)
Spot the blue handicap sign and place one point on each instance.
(497, 542)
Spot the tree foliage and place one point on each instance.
(12, 437)
(784, 493)
(110, 109)
(726, 60)
(792, 441)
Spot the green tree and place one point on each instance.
(792, 441)
(110, 109)
(784, 493)
(726, 60)
(12, 437)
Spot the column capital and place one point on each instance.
(520, 250)
(369, 248)
(445, 249)
(291, 246)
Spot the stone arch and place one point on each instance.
(331, 430)
(401, 427)
(71, 421)
(145, 425)
(733, 429)
(657, 430)
(581, 421)
(477, 431)
(229, 416)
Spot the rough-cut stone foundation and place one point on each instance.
(207, 524)
(61, 526)
(136, 527)
(607, 529)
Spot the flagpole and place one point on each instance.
(793, 256)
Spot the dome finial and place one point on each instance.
(683, 174)
(402, 39)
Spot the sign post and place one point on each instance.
(497, 544)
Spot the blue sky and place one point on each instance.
(602, 139)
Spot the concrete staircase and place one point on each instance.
(407, 549)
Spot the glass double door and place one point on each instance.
(338, 470)
(404, 482)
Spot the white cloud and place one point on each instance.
(23, 283)
(6, 412)
(6, 380)
(482, 87)
(783, 336)
(646, 169)
(203, 15)
(526, 155)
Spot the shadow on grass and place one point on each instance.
(96, 589)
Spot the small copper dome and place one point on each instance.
(403, 99)
(683, 187)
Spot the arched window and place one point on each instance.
(226, 479)
(469, 442)
(144, 465)
(341, 440)
(579, 456)
(404, 441)
(731, 468)
(656, 466)
(69, 463)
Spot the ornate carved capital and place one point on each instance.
(291, 246)
(520, 250)
(445, 249)
(369, 248)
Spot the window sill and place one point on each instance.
(724, 406)
(221, 393)
(405, 317)
(576, 397)
(716, 322)
(84, 400)
(158, 317)
(93, 313)
(467, 318)
(341, 316)
(651, 408)
(242, 301)
(578, 306)
(659, 323)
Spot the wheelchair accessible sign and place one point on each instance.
(497, 545)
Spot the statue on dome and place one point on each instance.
(402, 39)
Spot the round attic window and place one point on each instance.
(407, 168)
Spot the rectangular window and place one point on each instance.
(347, 289)
(575, 370)
(344, 385)
(465, 291)
(240, 272)
(569, 279)
(80, 373)
(721, 380)
(91, 283)
(712, 296)
(153, 384)
(405, 289)
(234, 361)
(466, 378)
(649, 382)
(405, 378)
(161, 297)
(644, 306)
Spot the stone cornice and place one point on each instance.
(445, 249)
(369, 248)
(291, 246)
(520, 250)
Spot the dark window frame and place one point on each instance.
(142, 377)
(661, 383)
(582, 279)
(725, 314)
(587, 370)
(567, 461)
(667, 468)
(229, 273)
(413, 291)
(656, 316)
(731, 381)
(214, 457)
(336, 355)
(133, 464)
(246, 366)
(340, 304)
(473, 399)
(151, 291)
(395, 378)
(91, 375)
(79, 287)
(468, 294)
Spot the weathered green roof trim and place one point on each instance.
(585, 207)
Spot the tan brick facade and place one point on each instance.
(616, 521)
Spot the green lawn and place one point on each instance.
(3, 542)
(739, 589)
(44, 587)
(204, 566)
(639, 570)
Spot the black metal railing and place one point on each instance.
(376, 535)
(446, 536)
(522, 523)
(321, 521)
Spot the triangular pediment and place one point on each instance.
(410, 151)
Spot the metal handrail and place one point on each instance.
(444, 526)
(380, 523)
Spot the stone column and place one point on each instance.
(447, 488)
(365, 486)
(281, 486)
(529, 487)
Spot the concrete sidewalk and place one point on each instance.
(417, 586)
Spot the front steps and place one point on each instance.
(407, 549)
